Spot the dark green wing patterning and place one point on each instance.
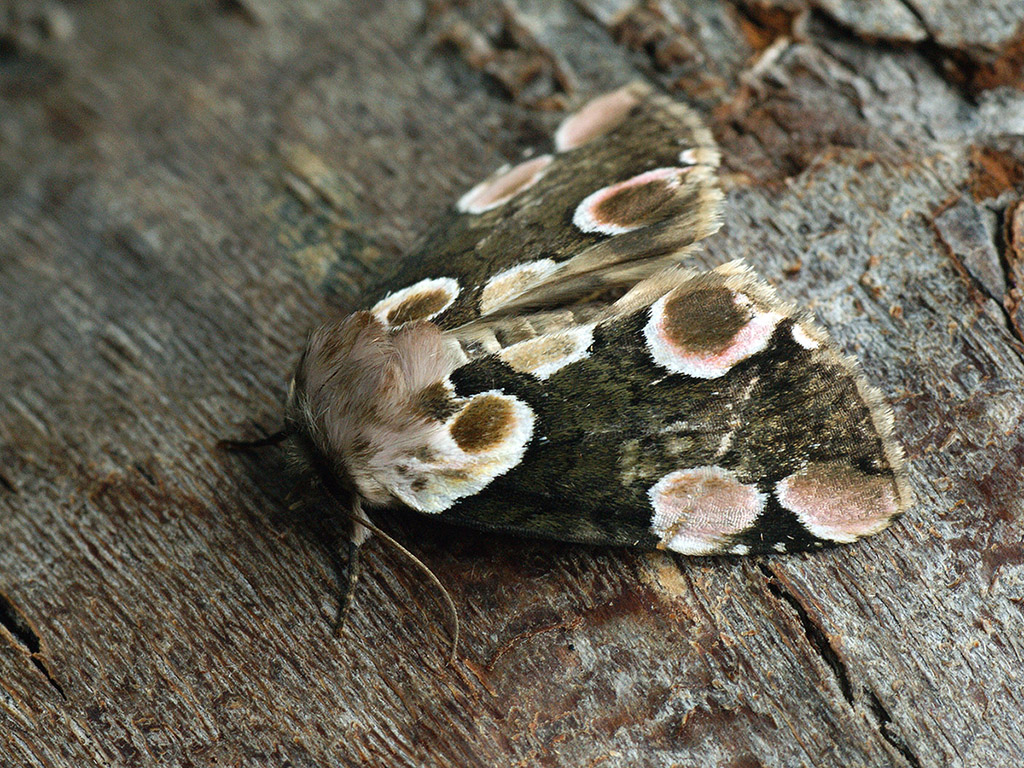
(720, 421)
(543, 363)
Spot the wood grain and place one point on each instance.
(187, 187)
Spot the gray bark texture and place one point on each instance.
(187, 186)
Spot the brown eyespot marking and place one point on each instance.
(503, 186)
(838, 502)
(705, 330)
(705, 320)
(631, 204)
(484, 439)
(420, 301)
(596, 118)
(484, 423)
(697, 510)
(423, 304)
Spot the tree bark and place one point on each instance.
(186, 187)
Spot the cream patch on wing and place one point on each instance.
(803, 338)
(689, 156)
(420, 301)
(544, 355)
(699, 156)
(703, 331)
(697, 511)
(485, 438)
(838, 502)
(503, 185)
(596, 118)
(630, 204)
(507, 285)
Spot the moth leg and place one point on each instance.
(358, 534)
(362, 528)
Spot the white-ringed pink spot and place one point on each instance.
(420, 301)
(804, 339)
(696, 511)
(630, 204)
(506, 285)
(503, 186)
(544, 355)
(838, 502)
(704, 331)
(596, 118)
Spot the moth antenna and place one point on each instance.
(248, 445)
(359, 518)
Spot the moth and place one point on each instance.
(545, 363)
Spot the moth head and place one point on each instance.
(363, 394)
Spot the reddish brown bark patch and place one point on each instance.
(993, 172)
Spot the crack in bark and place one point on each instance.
(914, 11)
(956, 66)
(884, 719)
(974, 285)
(814, 633)
(497, 41)
(820, 643)
(146, 474)
(21, 631)
(1005, 247)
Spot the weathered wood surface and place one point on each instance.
(184, 184)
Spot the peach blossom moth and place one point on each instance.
(544, 363)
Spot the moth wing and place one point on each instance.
(627, 189)
(700, 414)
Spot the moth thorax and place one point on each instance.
(366, 394)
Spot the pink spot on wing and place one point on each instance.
(596, 118)
(701, 363)
(503, 186)
(697, 511)
(545, 355)
(838, 502)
